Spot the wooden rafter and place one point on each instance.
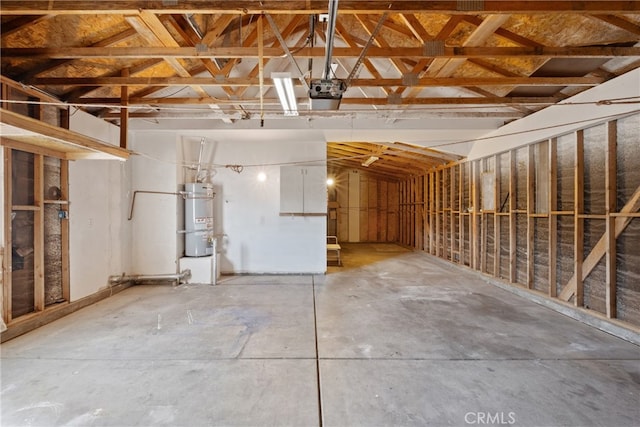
(414, 53)
(19, 23)
(620, 23)
(509, 101)
(307, 7)
(241, 81)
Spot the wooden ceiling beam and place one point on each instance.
(347, 164)
(109, 41)
(442, 35)
(620, 22)
(381, 42)
(344, 33)
(217, 29)
(543, 100)
(412, 53)
(148, 25)
(76, 94)
(409, 148)
(506, 34)
(445, 67)
(39, 7)
(242, 81)
(415, 26)
(20, 22)
(287, 32)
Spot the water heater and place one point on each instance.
(198, 217)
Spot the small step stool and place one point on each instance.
(334, 246)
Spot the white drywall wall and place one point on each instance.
(94, 127)
(99, 242)
(561, 119)
(98, 233)
(154, 222)
(258, 240)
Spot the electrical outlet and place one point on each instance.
(323, 17)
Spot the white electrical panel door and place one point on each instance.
(303, 190)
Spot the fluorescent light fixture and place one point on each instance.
(284, 88)
(370, 160)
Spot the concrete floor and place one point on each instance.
(396, 338)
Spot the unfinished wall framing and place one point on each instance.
(36, 273)
(367, 207)
(559, 217)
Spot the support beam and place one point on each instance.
(250, 52)
(553, 219)
(513, 243)
(38, 232)
(496, 217)
(124, 112)
(310, 7)
(240, 81)
(475, 214)
(578, 221)
(531, 202)
(610, 207)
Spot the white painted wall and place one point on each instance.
(155, 217)
(98, 231)
(91, 126)
(258, 240)
(561, 119)
(99, 237)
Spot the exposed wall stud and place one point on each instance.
(578, 244)
(610, 206)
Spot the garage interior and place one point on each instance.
(172, 171)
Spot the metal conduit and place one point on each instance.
(181, 277)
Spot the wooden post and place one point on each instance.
(6, 259)
(513, 248)
(452, 198)
(475, 215)
(445, 216)
(4, 94)
(425, 212)
(531, 204)
(65, 118)
(578, 227)
(38, 232)
(460, 213)
(64, 186)
(484, 216)
(124, 112)
(610, 200)
(432, 213)
(438, 174)
(496, 217)
(553, 219)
